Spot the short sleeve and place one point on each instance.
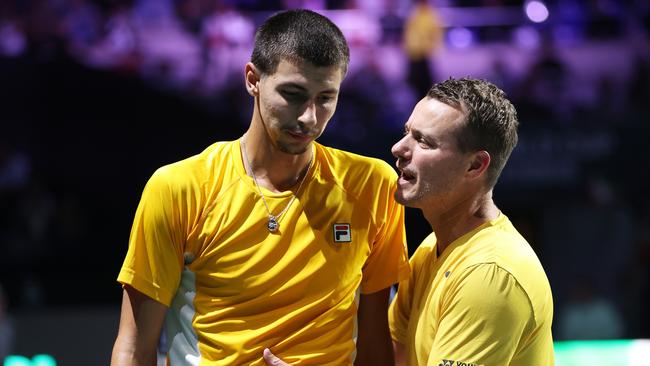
(483, 316)
(154, 258)
(399, 312)
(388, 260)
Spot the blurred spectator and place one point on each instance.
(15, 168)
(605, 16)
(392, 24)
(82, 25)
(33, 293)
(119, 48)
(638, 93)
(363, 32)
(12, 39)
(501, 76)
(227, 35)
(192, 13)
(36, 211)
(46, 41)
(154, 13)
(608, 105)
(589, 315)
(546, 89)
(28, 242)
(595, 236)
(423, 35)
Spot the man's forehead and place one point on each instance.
(431, 114)
(304, 74)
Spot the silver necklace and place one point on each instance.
(274, 220)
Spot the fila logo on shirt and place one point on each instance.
(342, 233)
(454, 363)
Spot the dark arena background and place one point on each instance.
(95, 95)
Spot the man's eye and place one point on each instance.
(424, 143)
(325, 99)
(291, 95)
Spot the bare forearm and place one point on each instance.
(400, 354)
(374, 345)
(126, 355)
(377, 355)
(141, 321)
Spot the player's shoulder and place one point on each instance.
(501, 245)
(346, 165)
(498, 240)
(425, 253)
(193, 171)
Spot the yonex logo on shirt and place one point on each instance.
(454, 363)
(342, 233)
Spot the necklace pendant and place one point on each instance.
(272, 225)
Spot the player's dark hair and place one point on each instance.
(299, 35)
(491, 119)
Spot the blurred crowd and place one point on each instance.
(198, 46)
(576, 184)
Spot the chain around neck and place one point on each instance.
(274, 220)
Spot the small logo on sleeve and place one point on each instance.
(342, 233)
(455, 363)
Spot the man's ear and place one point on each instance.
(252, 79)
(479, 164)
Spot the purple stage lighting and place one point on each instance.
(536, 11)
(460, 37)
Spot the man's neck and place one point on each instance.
(461, 219)
(274, 170)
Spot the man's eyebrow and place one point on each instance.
(292, 85)
(302, 88)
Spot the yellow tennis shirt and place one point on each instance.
(485, 301)
(200, 245)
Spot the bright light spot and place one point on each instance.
(43, 360)
(15, 360)
(536, 11)
(461, 37)
(37, 360)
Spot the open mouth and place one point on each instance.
(405, 175)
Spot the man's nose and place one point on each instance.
(400, 149)
(308, 116)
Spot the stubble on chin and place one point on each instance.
(293, 150)
(413, 197)
(399, 198)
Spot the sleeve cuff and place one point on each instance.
(128, 277)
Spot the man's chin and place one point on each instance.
(399, 198)
(408, 199)
(294, 149)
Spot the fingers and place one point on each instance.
(272, 360)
